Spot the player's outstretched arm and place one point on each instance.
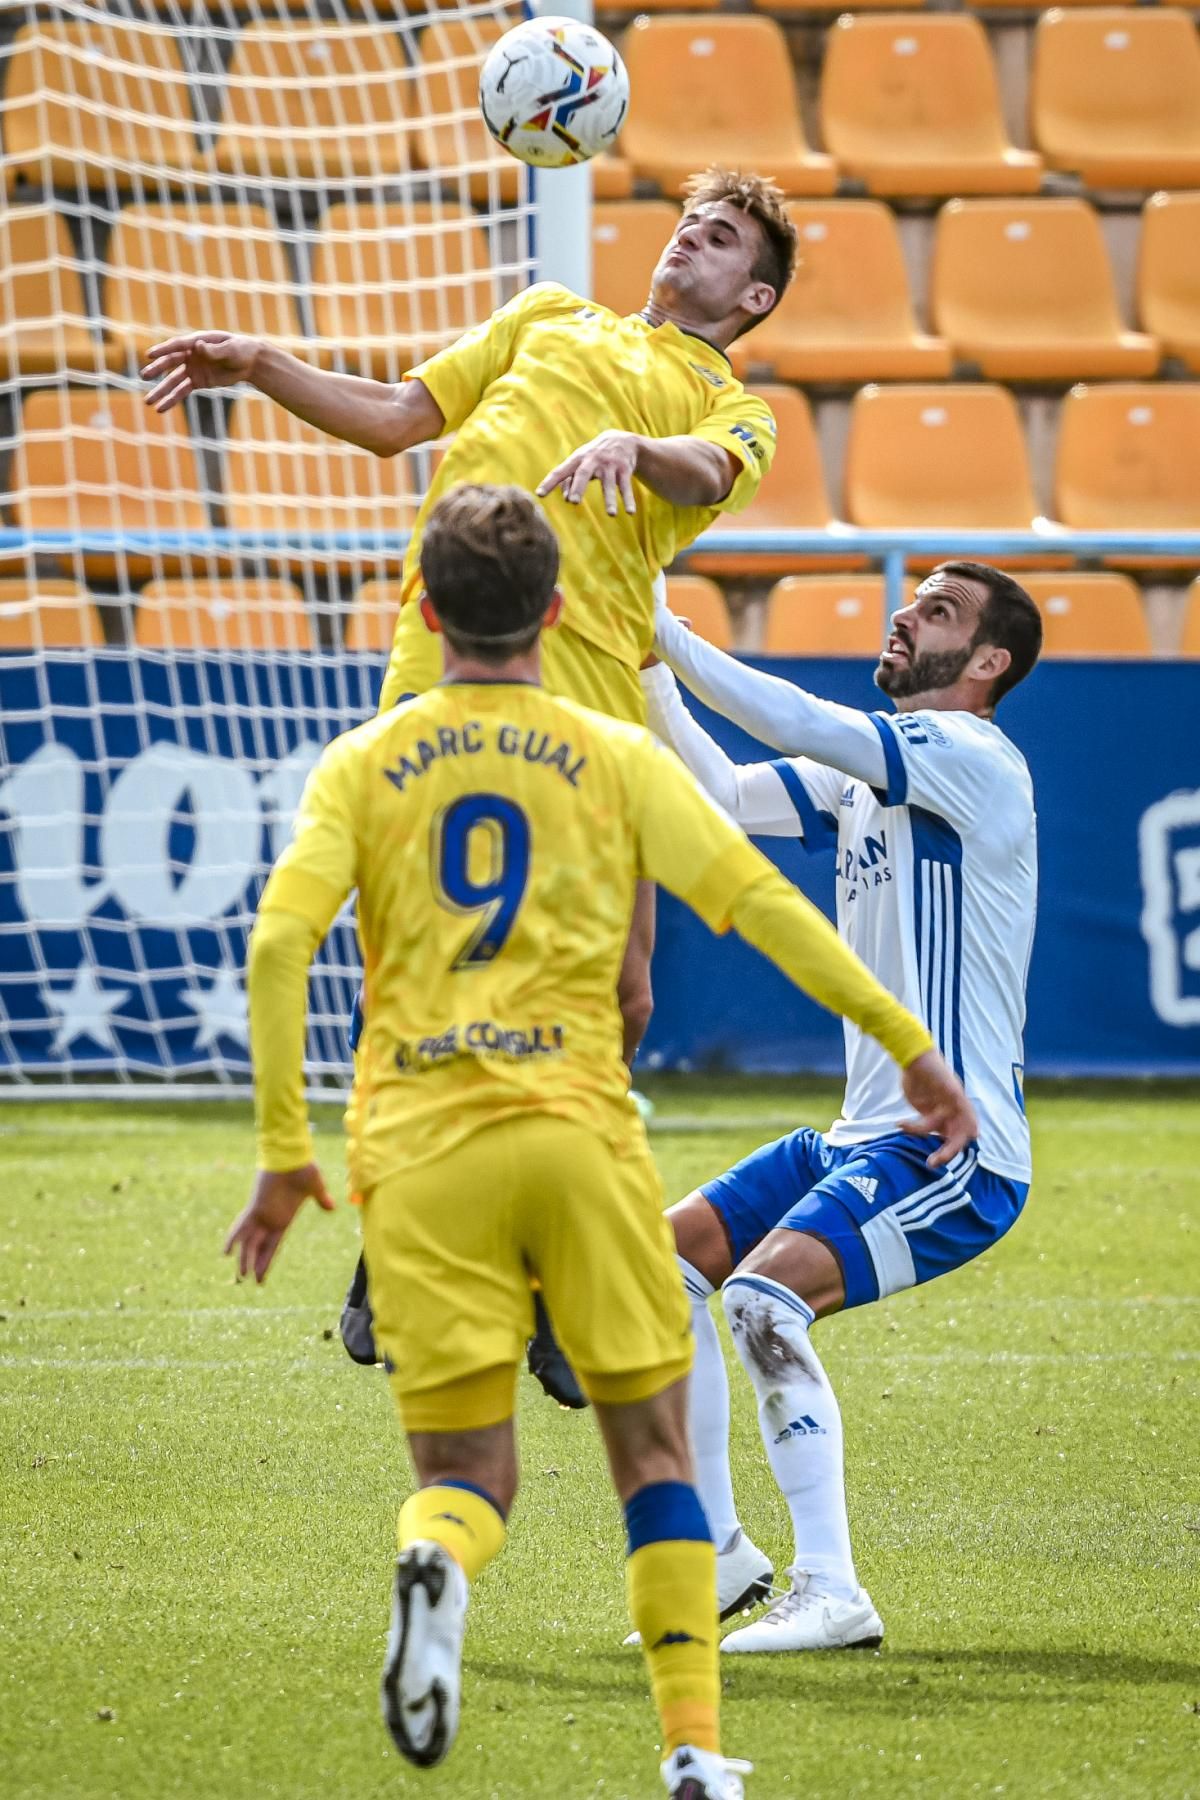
(774, 711)
(750, 793)
(378, 416)
(687, 471)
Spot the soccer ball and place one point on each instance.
(553, 92)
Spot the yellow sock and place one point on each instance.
(463, 1520)
(672, 1587)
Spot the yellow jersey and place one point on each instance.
(535, 382)
(496, 835)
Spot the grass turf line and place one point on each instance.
(199, 1494)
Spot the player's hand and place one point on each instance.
(936, 1094)
(202, 359)
(610, 459)
(275, 1199)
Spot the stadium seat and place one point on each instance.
(1129, 460)
(911, 105)
(1190, 642)
(848, 315)
(627, 241)
(793, 496)
(1090, 615)
(199, 268)
(326, 103)
(392, 284)
(95, 460)
(371, 624)
(701, 601)
(98, 103)
(48, 615)
(1169, 275)
(43, 315)
(1115, 96)
(939, 458)
(825, 615)
(723, 92)
(282, 475)
(1023, 289)
(451, 139)
(229, 614)
(612, 178)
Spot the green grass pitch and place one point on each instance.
(199, 1490)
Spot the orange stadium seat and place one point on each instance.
(282, 475)
(48, 615)
(452, 140)
(392, 284)
(325, 103)
(911, 105)
(848, 315)
(1190, 642)
(939, 458)
(98, 102)
(89, 459)
(723, 92)
(809, 7)
(612, 178)
(1169, 275)
(43, 315)
(701, 601)
(229, 614)
(198, 268)
(792, 496)
(825, 615)
(1129, 460)
(371, 624)
(1024, 290)
(627, 241)
(1115, 96)
(1090, 615)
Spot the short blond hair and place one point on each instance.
(763, 200)
(489, 562)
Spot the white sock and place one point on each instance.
(801, 1423)
(708, 1413)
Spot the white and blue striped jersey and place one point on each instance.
(931, 817)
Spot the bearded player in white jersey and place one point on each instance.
(930, 809)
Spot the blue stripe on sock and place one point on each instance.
(665, 1510)
(470, 1487)
(775, 1291)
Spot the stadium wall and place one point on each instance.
(143, 798)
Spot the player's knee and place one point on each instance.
(769, 1334)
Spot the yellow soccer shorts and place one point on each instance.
(571, 666)
(451, 1244)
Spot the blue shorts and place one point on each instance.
(891, 1221)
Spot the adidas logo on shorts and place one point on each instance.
(866, 1185)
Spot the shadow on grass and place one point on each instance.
(890, 1680)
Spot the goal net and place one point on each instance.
(192, 603)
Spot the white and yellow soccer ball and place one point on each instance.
(553, 92)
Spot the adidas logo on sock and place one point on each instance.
(801, 1427)
(866, 1185)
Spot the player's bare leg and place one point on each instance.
(671, 1587)
(447, 1532)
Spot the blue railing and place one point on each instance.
(890, 549)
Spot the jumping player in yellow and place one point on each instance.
(496, 836)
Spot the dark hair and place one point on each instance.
(489, 561)
(762, 199)
(1010, 619)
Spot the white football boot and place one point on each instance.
(744, 1576)
(807, 1620)
(692, 1774)
(422, 1678)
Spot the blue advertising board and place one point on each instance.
(143, 797)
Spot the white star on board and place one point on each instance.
(220, 1010)
(83, 1010)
